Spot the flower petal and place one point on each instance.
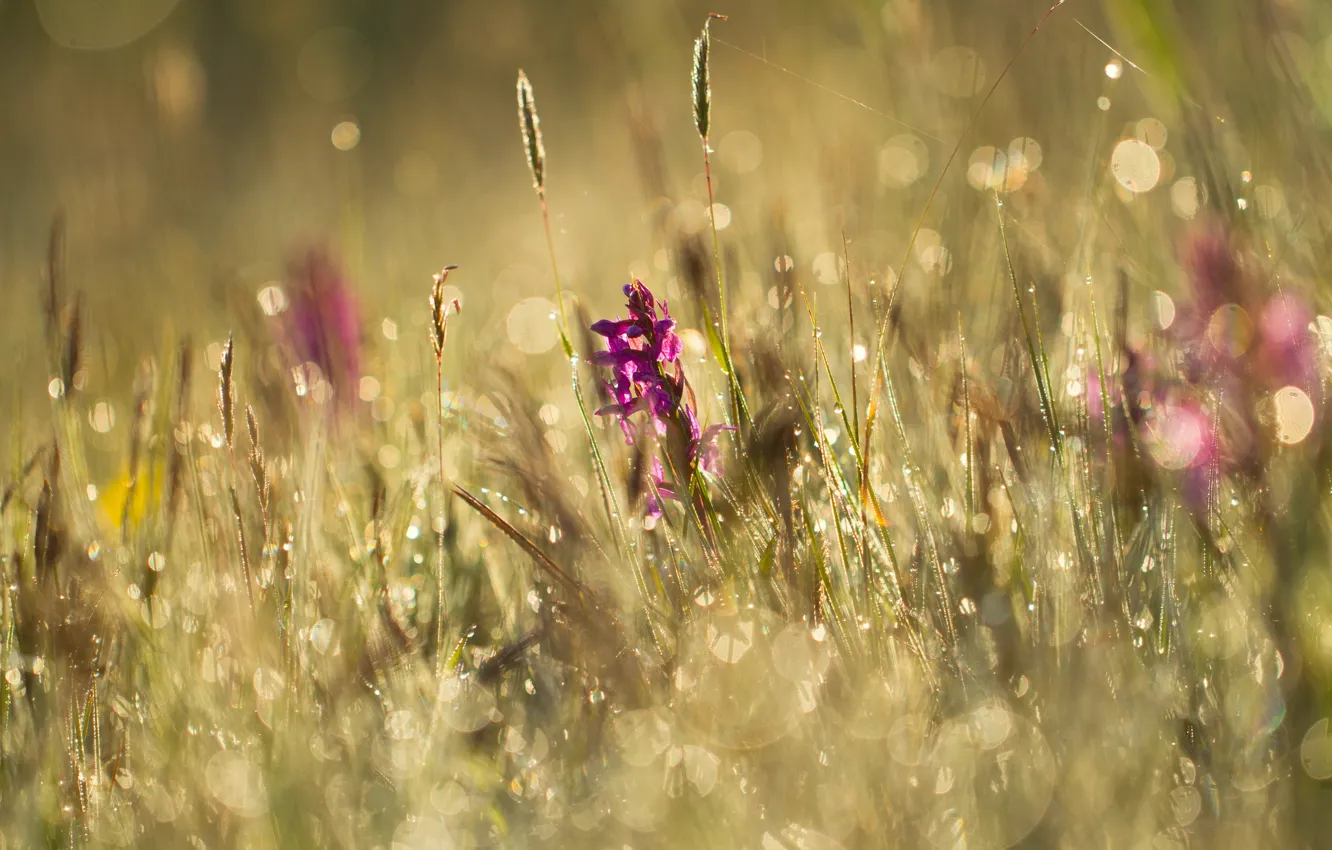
(616, 327)
(670, 347)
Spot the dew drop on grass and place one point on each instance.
(1186, 804)
(321, 635)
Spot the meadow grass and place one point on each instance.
(1038, 559)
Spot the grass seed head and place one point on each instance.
(702, 78)
(226, 403)
(702, 85)
(439, 312)
(530, 125)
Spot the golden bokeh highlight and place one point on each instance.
(1135, 166)
(531, 326)
(1293, 412)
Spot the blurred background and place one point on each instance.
(193, 147)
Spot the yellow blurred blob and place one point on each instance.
(1230, 330)
(146, 496)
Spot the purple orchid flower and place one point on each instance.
(1235, 342)
(643, 354)
(1213, 267)
(1232, 332)
(323, 322)
(1286, 352)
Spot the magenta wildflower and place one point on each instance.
(643, 355)
(1286, 353)
(1183, 438)
(1213, 268)
(1232, 331)
(323, 323)
(1179, 434)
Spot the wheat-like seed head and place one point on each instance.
(530, 124)
(439, 312)
(226, 403)
(702, 78)
(702, 84)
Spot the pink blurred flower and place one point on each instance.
(323, 322)
(1182, 437)
(1286, 353)
(1213, 268)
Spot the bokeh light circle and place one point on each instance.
(1294, 414)
(902, 161)
(1135, 165)
(531, 327)
(101, 26)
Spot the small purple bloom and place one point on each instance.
(643, 354)
(1286, 352)
(323, 322)
(1213, 268)
(710, 456)
(609, 328)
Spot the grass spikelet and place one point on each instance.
(702, 85)
(226, 405)
(252, 429)
(530, 124)
(226, 395)
(702, 77)
(439, 313)
(243, 547)
(258, 469)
